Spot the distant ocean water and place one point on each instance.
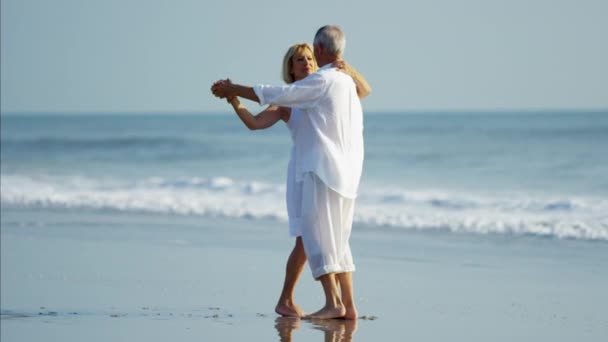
(542, 174)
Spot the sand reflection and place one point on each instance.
(334, 330)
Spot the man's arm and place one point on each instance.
(304, 93)
(227, 89)
(300, 94)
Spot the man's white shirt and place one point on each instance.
(329, 139)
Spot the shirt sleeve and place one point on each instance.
(301, 94)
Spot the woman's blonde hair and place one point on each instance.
(288, 63)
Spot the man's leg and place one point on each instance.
(348, 299)
(293, 270)
(333, 304)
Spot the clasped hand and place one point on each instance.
(223, 89)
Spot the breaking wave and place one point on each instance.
(568, 217)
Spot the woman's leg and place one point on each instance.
(293, 270)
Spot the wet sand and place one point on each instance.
(74, 276)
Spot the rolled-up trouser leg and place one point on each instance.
(326, 224)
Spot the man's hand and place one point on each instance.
(224, 89)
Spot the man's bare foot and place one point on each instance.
(351, 312)
(289, 310)
(329, 312)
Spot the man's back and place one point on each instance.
(329, 141)
(334, 149)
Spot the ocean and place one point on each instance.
(501, 174)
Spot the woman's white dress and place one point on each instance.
(293, 193)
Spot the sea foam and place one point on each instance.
(519, 214)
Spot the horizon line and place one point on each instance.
(386, 111)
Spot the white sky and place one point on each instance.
(154, 55)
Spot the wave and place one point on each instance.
(94, 143)
(569, 217)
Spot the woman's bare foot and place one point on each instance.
(289, 310)
(329, 312)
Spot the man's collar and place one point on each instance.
(327, 66)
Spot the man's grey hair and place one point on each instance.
(331, 38)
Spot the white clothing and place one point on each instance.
(326, 221)
(326, 163)
(293, 123)
(293, 195)
(329, 138)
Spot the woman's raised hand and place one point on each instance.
(342, 65)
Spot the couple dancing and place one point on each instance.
(322, 111)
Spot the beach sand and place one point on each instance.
(78, 276)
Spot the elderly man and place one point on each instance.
(329, 161)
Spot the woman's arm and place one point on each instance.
(264, 119)
(363, 88)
